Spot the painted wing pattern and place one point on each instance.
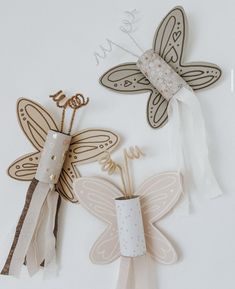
(86, 146)
(35, 122)
(169, 42)
(159, 194)
(97, 197)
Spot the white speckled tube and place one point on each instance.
(161, 75)
(53, 157)
(130, 227)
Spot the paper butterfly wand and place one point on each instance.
(171, 83)
(51, 170)
(131, 217)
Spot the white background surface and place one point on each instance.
(49, 45)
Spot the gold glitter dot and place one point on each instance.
(52, 177)
(54, 135)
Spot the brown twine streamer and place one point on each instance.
(31, 189)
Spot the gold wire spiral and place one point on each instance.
(77, 101)
(74, 102)
(107, 164)
(60, 99)
(133, 152)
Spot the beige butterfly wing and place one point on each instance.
(97, 197)
(35, 122)
(159, 194)
(86, 146)
(170, 41)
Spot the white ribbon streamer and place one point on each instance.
(190, 144)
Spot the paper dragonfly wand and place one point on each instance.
(51, 170)
(171, 83)
(131, 216)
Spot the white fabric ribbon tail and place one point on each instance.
(189, 142)
(134, 273)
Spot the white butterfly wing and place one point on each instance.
(97, 196)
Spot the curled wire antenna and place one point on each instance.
(107, 164)
(77, 101)
(74, 102)
(60, 99)
(133, 152)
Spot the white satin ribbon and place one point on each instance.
(190, 145)
(134, 273)
(36, 240)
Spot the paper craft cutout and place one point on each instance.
(158, 195)
(169, 42)
(171, 82)
(51, 170)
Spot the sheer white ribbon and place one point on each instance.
(189, 143)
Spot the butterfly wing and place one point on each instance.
(65, 184)
(157, 110)
(159, 194)
(169, 39)
(35, 122)
(24, 168)
(159, 247)
(86, 146)
(169, 42)
(200, 74)
(125, 78)
(97, 197)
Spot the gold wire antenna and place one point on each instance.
(75, 102)
(108, 165)
(60, 98)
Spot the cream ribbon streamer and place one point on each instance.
(23, 247)
(134, 273)
(43, 243)
(34, 240)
